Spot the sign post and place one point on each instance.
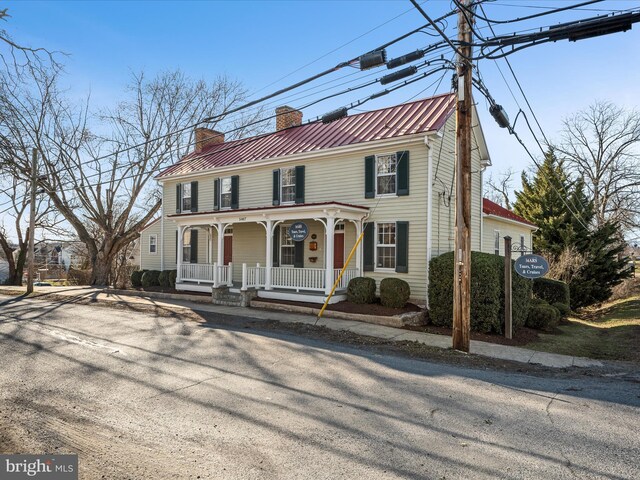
(508, 311)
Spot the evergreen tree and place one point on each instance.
(561, 227)
(541, 203)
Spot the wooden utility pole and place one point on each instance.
(508, 312)
(32, 220)
(462, 245)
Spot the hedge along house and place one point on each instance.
(497, 223)
(227, 206)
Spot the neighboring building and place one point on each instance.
(497, 223)
(227, 206)
(4, 270)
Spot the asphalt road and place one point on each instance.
(141, 396)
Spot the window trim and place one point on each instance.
(394, 174)
(284, 233)
(155, 238)
(186, 245)
(376, 245)
(282, 185)
(222, 179)
(496, 242)
(183, 197)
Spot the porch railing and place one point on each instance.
(348, 274)
(253, 277)
(298, 278)
(208, 273)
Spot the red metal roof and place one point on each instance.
(419, 116)
(492, 208)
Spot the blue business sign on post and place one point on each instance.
(298, 231)
(532, 266)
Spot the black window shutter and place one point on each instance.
(402, 173)
(216, 194)
(276, 187)
(178, 198)
(300, 184)
(176, 248)
(235, 191)
(298, 256)
(276, 246)
(194, 196)
(402, 247)
(370, 176)
(369, 245)
(194, 245)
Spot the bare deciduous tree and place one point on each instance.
(102, 184)
(17, 196)
(498, 190)
(601, 144)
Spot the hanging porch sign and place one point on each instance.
(531, 266)
(298, 231)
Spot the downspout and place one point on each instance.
(427, 143)
(162, 232)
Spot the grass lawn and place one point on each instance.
(610, 332)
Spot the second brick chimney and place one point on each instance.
(205, 137)
(287, 117)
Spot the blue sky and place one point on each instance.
(260, 42)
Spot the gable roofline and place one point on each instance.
(416, 117)
(493, 210)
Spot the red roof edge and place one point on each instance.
(492, 208)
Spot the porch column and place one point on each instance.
(358, 225)
(221, 227)
(269, 257)
(330, 230)
(210, 259)
(181, 230)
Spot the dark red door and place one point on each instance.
(338, 250)
(228, 249)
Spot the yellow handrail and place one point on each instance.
(337, 282)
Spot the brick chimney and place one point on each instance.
(287, 117)
(205, 137)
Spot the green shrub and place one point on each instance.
(361, 290)
(163, 279)
(485, 291)
(551, 291)
(136, 278)
(563, 308)
(394, 292)
(150, 278)
(542, 316)
(173, 274)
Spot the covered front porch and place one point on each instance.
(251, 249)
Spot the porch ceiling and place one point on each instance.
(282, 212)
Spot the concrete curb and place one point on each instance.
(160, 295)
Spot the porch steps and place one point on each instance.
(222, 296)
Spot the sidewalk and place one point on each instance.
(503, 352)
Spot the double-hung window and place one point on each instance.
(496, 242)
(287, 248)
(186, 197)
(153, 244)
(186, 246)
(386, 167)
(225, 192)
(386, 245)
(522, 245)
(288, 185)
